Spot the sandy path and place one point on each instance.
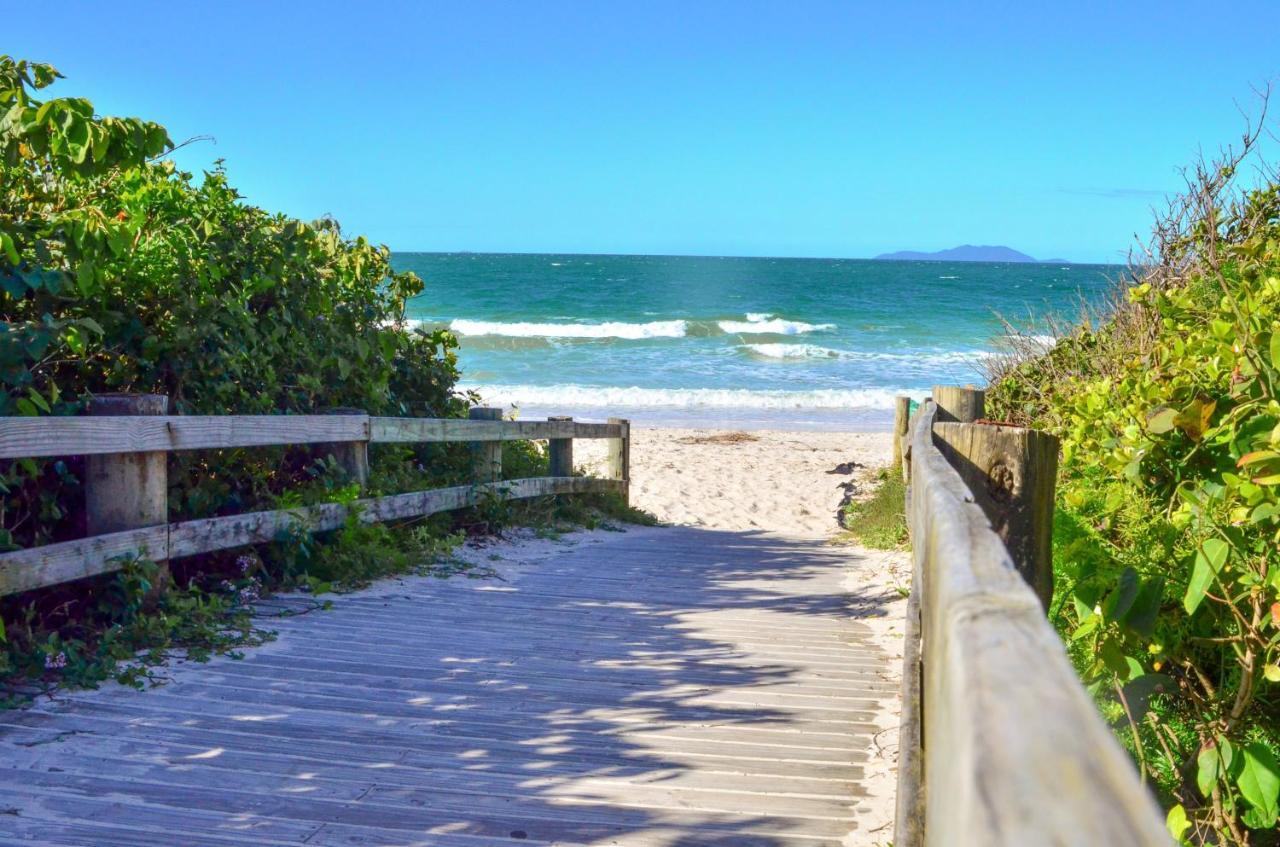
(788, 483)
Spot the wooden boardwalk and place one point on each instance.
(665, 686)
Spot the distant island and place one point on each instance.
(967, 253)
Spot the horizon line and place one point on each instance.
(746, 256)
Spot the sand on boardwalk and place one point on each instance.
(792, 484)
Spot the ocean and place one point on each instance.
(747, 343)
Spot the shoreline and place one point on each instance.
(851, 421)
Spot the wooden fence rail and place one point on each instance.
(132, 478)
(1000, 744)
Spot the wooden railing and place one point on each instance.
(1000, 744)
(126, 439)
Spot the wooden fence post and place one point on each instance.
(487, 454)
(901, 422)
(619, 464)
(1011, 472)
(351, 456)
(955, 403)
(560, 452)
(128, 490)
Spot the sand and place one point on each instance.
(785, 482)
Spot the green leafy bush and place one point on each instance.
(1168, 534)
(119, 272)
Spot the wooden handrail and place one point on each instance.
(1012, 749)
(67, 436)
(343, 435)
(37, 567)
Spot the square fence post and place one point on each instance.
(351, 456)
(560, 452)
(128, 490)
(487, 455)
(619, 463)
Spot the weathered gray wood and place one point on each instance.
(486, 455)
(351, 456)
(36, 567)
(416, 713)
(410, 430)
(560, 452)
(1015, 752)
(965, 404)
(128, 491)
(618, 460)
(23, 437)
(1011, 473)
(908, 830)
(901, 421)
(51, 564)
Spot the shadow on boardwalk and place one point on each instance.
(668, 686)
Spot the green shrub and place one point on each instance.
(1168, 535)
(121, 273)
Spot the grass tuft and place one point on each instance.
(880, 521)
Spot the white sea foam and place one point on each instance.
(755, 324)
(767, 324)
(611, 329)
(686, 398)
(915, 359)
(795, 351)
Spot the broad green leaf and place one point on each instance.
(1122, 596)
(9, 249)
(1207, 768)
(1142, 614)
(1259, 781)
(1263, 512)
(1210, 558)
(1161, 420)
(1176, 822)
(1257, 456)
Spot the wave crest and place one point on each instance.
(610, 329)
(755, 323)
(766, 324)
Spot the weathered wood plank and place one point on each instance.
(408, 430)
(1011, 472)
(83, 436)
(1015, 751)
(23, 570)
(965, 404)
(53, 436)
(436, 712)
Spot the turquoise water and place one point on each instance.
(667, 340)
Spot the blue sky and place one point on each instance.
(785, 128)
